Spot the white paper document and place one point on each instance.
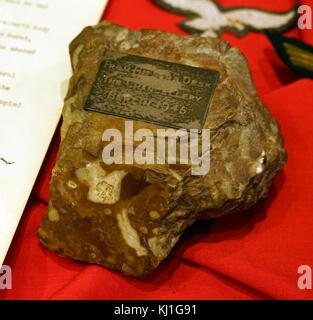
(34, 69)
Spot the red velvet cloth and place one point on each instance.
(252, 255)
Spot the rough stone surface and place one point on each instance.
(129, 217)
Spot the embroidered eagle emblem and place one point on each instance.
(208, 18)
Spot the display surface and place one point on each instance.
(249, 255)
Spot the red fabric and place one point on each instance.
(252, 255)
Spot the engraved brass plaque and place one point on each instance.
(160, 92)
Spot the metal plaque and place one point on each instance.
(160, 92)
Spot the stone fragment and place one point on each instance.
(129, 217)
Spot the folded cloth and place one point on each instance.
(254, 255)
